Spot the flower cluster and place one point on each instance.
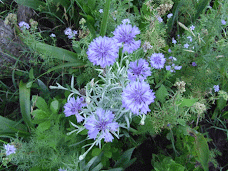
(73, 106)
(10, 149)
(216, 88)
(24, 25)
(70, 33)
(102, 123)
(172, 67)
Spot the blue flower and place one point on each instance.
(190, 38)
(102, 122)
(100, 10)
(61, 169)
(137, 97)
(126, 21)
(223, 22)
(192, 27)
(125, 34)
(70, 33)
(169, 15)
(24, 25)
(9, 149)
(103, 51)
(194, 64)
(174, 41)
(157, 60)
(160, 20)
(52, 35)
(72, 107)
(139, 69)
(186, 45)
(169, 50)
(216, 88)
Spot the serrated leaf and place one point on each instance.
(40, 103)
(161, 93)
(96, 151)
(54, 106)
(202, 151)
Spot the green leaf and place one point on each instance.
(96, 151)
(54, 106)
(31, 75)
(188, 102)
(40, 103)
(202, 151)
(44, 126)
(105, 18)
(108, 154)
(34, 4)
(161, 93)
(24, 98)
(40, 114)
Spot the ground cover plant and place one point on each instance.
(115, 85)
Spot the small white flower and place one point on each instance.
(52, 35)
(126, 21)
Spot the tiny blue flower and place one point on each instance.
(169, 15)
(194, 64)
(216, 88)
(52, 35)
(186, 45)
(24, 25)
(174, 41)
(126, 21)
(190, 38)
(100, 10)
(192, 27)
(10, 149)
(169, 50)
(223, 22)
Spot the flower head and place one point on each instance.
(190, 38)
(52, 35)
(9, 149)
(216, 88)
(192, 27)
(139, 69)
(100, 10)
(102, 122)
(125, 34)
(24, 25)
(223, 22)
(174, 41)
(157, 60)
(160, 20)
(169, 50)
(70, 33)
(73, 106)
(186, 45)
(126, 21)
(169, 15)
(137, 96)
(103, 51)
(194, 64)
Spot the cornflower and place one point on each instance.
(138, 70)
(137, 97)
(10, 149)
(73, 106)
(101, 123)
(103, 51)
(157, 60)
(125, 34)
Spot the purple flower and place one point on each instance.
(137, 96)
(192, 27)
(177, 67)
(186, 45)
(194, 64)
(24, 25)
(70, 33)
(174, 41)
(125, 34)
(72, 107)
(169, 15)
(223, 22)
(102, 122)
(100, 10)
(157, 60)
(190, 38)
(160, 20)
(103, 51)
(61, 169)
(9, 149)
(126, 21)
(139, 69)
(52, 35)
(216, 88)
(169, 50)
(168, 68)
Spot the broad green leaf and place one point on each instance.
(96, 151)
(34, 4)
(161, 93)
(105, 18)
(108, 154)
(40, 114)
(24, 97)
(188, 102)
(54, 106)
(202, 151)
(44, 126)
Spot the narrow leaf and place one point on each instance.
(105, 18)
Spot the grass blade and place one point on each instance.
(105, 18)
(24, 97)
